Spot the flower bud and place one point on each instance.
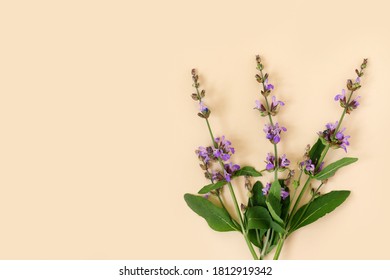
(202, 93)
(195, 96)
(349, 84)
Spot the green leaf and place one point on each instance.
(274, 208)
(211, 187)
(331, 169)
(256, 235)
(217, 218)
(247, 171)
(320, 206)
(258, 218)
(277, 227)
(257, 198)
(316, 151)
(275, 190)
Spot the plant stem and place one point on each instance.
(264, 251)
(243, 229)
(250, 246)
(279, 247)
(307, 183)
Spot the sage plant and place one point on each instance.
(274, 210)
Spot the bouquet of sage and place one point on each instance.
(274, 209)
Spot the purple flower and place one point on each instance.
(217, 176)
(265, 190)
(270, 161)
(205, 154)
(203, 108)
(273, 132)
(357, 80)
(342, 140)
(224, 149)
(340, 96)
(352, 105)
(275, 105)
(259, 106)
(284, 194)
(230, 168)
(268, 86)
(309, 167)
(283, 161)
(335, 138)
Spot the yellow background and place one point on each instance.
(98, 129)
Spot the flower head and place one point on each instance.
(284, 162)
(351, 105)
(275, 106)
(204, 111)
(265, 190)
(309, 167)
(270, 162)
(273, 132)
(205, 154)
(268, 86)
(334, 137)
(230, 168)
(284, 194)
(224, 149)
(259, 106)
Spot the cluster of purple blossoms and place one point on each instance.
(333, 137)
(205, 154)
(274, 108)
(224, 148)
(222, 152)
(283, 193)
(273, 132)
(270, 162)
(309, 167)
(351, 105)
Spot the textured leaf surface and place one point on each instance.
(217, 218)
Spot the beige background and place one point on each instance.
(98, 131)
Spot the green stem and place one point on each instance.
(279, 247)
(343, 114)
(263, 252)
(307, 183)
(251, 249)
(307, 206)
(250, 246)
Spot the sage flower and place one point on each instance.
(273, 132)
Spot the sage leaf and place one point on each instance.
(320, 206)
(275, 189)
(247, 171)
(274, 208)
(257, 198)
(258, 218)
(276, 227)
(331, 169)
(208, 188)
(217, 218)
(316, 151)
